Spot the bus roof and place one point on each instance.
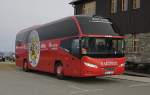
(89, 25)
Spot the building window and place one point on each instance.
(89, 8)
(132, 45)
(113, 6)
(136, 4)
(124, 5)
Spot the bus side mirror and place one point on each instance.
(75, 48)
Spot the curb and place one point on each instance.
(137, 74)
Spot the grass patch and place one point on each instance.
(7, 66)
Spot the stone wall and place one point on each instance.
(138, 48)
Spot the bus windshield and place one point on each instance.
(102, 47)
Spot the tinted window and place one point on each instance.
(61, 28)
(72, 45)
(66, 44)
(97, 26)
(76, 47)
(103, 47)
(26, 35)
(22, 37)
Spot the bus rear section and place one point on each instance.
(77, 46)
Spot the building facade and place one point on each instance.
(132, 18)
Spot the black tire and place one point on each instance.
(59, 71)
(94, 77)
(25, 66)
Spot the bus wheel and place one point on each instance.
(25, 66)
(93, 77)
(59, 71)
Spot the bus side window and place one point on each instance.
(66, 45)
(19, 39)
(75, 47)
(18, 43)
(22, 38)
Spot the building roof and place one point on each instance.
(75, 1)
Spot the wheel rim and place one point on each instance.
(59, 70)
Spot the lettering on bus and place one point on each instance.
(53, 46)
(43, 47)
(100, 20)
(109, 63)
(34, 48)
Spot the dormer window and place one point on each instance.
(89, 8)
(136, 4)
(124, 6)
(113, 6)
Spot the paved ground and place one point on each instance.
(14, 81)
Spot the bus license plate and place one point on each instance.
(109, 72)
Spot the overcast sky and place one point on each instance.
(16, 15)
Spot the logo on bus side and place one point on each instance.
(34, 48)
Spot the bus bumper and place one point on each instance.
(96, 72)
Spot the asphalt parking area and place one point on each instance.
(16, 82)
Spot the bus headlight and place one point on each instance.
(122, 65)
(90, 65)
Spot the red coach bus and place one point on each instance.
(77, 46)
